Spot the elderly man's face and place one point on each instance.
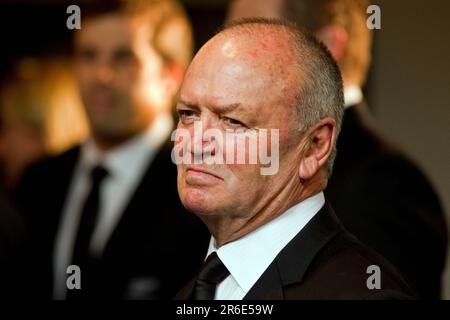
(238, 83)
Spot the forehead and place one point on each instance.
(108, 30)
(250, 71)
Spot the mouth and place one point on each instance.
(201, 171)
(102, 100)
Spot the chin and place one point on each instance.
(199, 201)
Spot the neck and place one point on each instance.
(229, 227)
(108, 143)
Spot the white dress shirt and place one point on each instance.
(248, 257)
(352, 95)
(126, 165)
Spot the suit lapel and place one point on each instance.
(291, 264)
(268, 287)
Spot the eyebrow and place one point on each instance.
(220, 109)
(187, 104)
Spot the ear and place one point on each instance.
(317, 148)
(335, 38)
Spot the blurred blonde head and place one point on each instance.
(340, 24)
(40, 112)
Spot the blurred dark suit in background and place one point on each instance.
(389, 204)
(11, 251)
(378, 193)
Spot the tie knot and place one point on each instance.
(213, 270)
(98, 173)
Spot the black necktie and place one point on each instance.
(88, 221)
(211, 274)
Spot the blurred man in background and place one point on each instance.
(380, 196)
(110, 205)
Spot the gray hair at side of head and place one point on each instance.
(321, 92)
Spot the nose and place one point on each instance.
(204, 141)
(104, 72)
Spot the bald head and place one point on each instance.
(297, 69)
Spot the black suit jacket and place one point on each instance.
(323, 261)
(387, 203)
(156, 241)
(11, 250)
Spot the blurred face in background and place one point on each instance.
(239, 9)
(120, 77)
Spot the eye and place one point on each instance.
(186, 115)
(86, 55)
(233, 122)
(123, 56)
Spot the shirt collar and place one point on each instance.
(248, 257)
(352, 95)
(130, 156)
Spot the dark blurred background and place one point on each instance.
(408, 87)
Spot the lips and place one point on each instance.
(203, 171)
(102, 100)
